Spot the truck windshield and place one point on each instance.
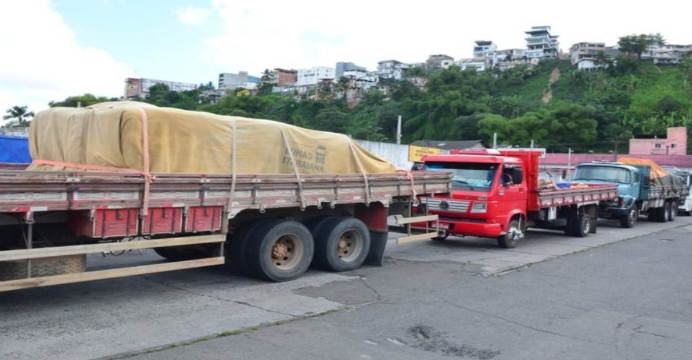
(604, 173)
(466, 176)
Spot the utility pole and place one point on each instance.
(494, 140)
(398, 130)
(569, 158)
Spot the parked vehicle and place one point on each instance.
(499, 194)
(643, 188)
(268, 224)
(685, 207)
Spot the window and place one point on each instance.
(657, 146)
(673, 146)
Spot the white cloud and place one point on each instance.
(193, 16)
(305, 33)
(43, 62)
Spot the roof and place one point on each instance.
(449, 144)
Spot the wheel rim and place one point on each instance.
(349, 246)
(673, 212)
(515, 234)
(287, 251)
(633, 216)
(585, 225)
(667, 210)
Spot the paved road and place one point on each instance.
(429, 299)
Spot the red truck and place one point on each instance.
(499, 194)
(269, 226)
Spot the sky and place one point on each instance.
(53, 49)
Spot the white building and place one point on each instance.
(230, 81)
(584, 54)
(139, 87)
(484, 48)
(478, 64)
(541, 43)
(312, 76)
(391, 69)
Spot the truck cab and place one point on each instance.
(488, 191)
(637, 192)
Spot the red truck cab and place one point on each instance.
(489, 188)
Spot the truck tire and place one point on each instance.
(672, 211)
(515, 234)
(661, 213)
(341, 244)
(237, 244)
(582, 225)
(280, 250)
(629, 220)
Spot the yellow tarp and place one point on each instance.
(110, 134)
(656, 170)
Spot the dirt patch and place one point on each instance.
(548, 91)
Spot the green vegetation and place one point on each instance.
(553, 104)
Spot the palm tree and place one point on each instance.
(19, 115)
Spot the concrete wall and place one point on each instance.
(396, 154)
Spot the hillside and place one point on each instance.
(553, 105)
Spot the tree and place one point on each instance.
(18, 116)
(638, 44)
(343, 84)
(267, 82)
(80, 101)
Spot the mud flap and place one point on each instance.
(378, 242)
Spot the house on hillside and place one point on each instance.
(674, 143)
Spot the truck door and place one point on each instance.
(512, 196)
(644, 178)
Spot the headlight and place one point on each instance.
(479, 207)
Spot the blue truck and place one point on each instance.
(642, 189)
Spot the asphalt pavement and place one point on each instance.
(551, 297)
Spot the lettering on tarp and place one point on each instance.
(306, 158)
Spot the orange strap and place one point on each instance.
(148, 177)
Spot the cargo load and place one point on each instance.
(140, 137)
(659, 176)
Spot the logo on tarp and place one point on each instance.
(309, 159)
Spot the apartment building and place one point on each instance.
(344, 67)
(313, 76)
(139, 87)
(484, 48)
(439, 61)
(584, 54)
(541, 43)
(285, 78)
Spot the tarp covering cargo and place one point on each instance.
(659, 176)
(14, 149)
(117, 135)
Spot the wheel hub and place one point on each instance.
(279, 251)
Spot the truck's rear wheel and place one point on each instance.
(236, 255)
(672, 211)
(515, 234)
(341, 244)
(630, 219)
(280, 250)
(661, 213)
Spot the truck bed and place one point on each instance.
(33, 191)
(668, 192)
(591, 194)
